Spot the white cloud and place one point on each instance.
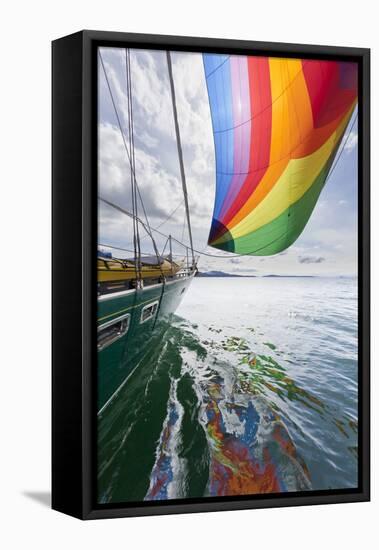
(311, 259)
(157, 165)
(352, 141)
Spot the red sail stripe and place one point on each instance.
(260, 143)
(329, 99)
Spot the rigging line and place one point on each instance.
(123, 211)
(183, 226)
(119, 248)
(138, 220)
(171, 214)
(115, 108)
(342, 148)
(121, 130)
(132, 148)
(127, 213)
(130, 250)
(277, 161)
(164, 248)
(168, 217)
(135, 225)
(256, 115)
(180, 151)
(163, 222)
(126, 148)
(218, 67)
(136, 187)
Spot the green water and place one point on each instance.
(253, 388)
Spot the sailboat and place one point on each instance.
(278, 125)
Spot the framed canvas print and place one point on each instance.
(210, 274)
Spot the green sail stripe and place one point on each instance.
(279, 234)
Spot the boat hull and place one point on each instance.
(120, 358)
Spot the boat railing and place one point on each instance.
(185, 272)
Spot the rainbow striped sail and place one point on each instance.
(277, 126)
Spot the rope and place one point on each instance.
(109, 203)
(180, 151)
(342, 148)
(269, 106)
(137, 250)
(168, 217)
(130, 250)
(147, 226)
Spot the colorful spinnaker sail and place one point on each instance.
(277, 126)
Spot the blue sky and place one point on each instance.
(328, 245)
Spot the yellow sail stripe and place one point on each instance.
(292, 114)
(291, 186)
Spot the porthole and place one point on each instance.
(149, 311)
(111, 331)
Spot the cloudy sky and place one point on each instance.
(327, 246)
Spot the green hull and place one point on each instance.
(117, 360)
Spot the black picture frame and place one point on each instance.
(74, 206)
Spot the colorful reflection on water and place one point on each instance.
(216, 414)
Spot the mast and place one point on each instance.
(180, 152)
(136, 237)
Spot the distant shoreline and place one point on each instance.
(221, 274)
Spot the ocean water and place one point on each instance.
(252, 389)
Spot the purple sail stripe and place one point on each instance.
(242, 127)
